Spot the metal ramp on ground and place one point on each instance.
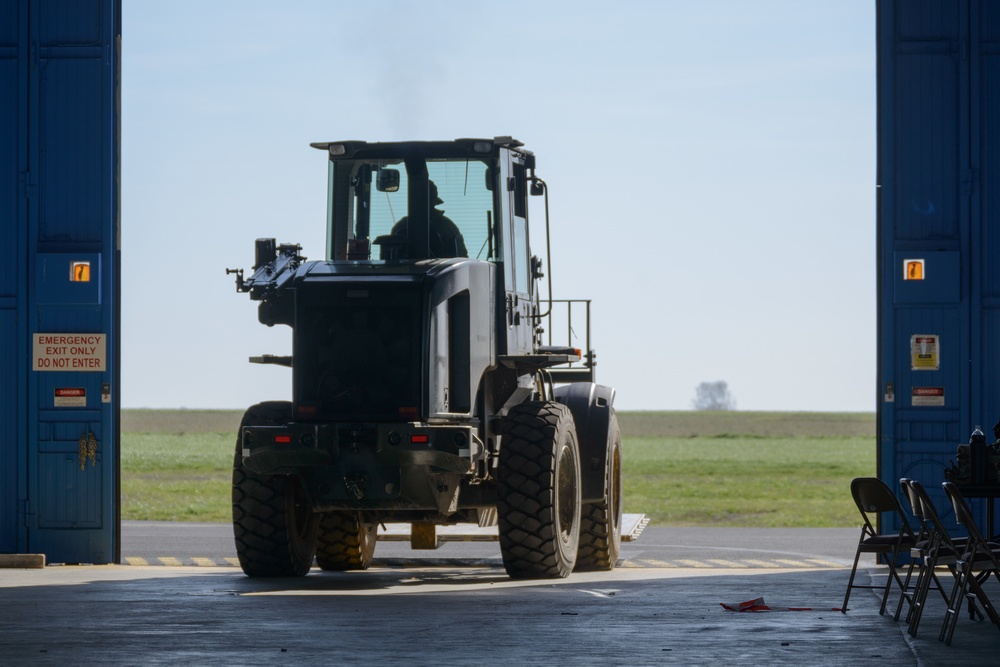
(632, 527)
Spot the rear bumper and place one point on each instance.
(371, 465)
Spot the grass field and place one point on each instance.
(754, 469)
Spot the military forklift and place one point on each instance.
(422, 392)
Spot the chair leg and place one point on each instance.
(919, 599)
(915, 595)
(955, 604)
(932, 582)
(904, 596)
(893, 575)
(939, 588)
(980, 595)
(850, 582)
(888, 586)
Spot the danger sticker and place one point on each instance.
(928, 396)
(70, 397)
(69, 352)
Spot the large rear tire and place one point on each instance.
(538, 500)
(601, 524)
(345, 542)
(273, 524)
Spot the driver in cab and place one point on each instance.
(445, 238)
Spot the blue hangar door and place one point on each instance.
(939, 233)
(59, 291)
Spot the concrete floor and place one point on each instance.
(420, 615)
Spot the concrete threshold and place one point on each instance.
(22, 561)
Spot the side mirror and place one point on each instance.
(387, 180)
(537, 188)
(490, 176)
(536, 267)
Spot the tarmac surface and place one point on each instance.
(662, 605)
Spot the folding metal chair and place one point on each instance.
(873, 497)
(943, 550)
(977, 561)
(918, 555)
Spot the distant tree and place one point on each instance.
(713, 396)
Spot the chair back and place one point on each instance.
(912, 499)
(932, 520)
(963, 514)
(923, 532)
(873, 496)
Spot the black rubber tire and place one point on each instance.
(538, 491)
(345, 541)
(274, 527)
(601, 523)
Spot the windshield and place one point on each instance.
(370, 216)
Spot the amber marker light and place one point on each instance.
(913, 269)
(79, 272)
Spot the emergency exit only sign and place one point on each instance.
(69, 352)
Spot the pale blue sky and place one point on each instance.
(711, 168)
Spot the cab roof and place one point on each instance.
(458, 148)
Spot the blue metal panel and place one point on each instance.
(13, 126)
(986, 207)
(926, 192)
(72, 478)
(59, 131)
(939, 83)
(73, 165)
(11, 454)
(52, 286)
(940, 278)
(10, 122)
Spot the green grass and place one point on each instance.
(740, 481)
(169, 477)
(680, 468)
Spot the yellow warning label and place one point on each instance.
(924, 355)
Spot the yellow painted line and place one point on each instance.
(708, 563)
(826, 563)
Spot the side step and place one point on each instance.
(632, 527)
